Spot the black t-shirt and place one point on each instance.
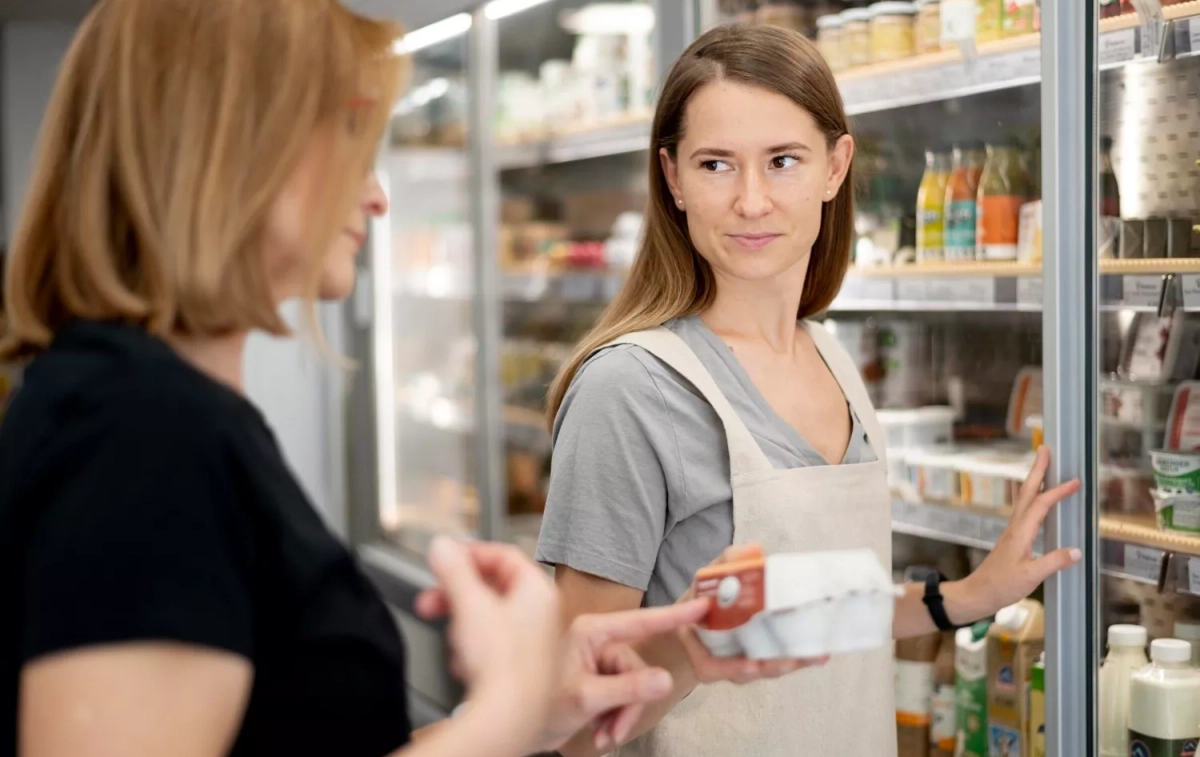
(142, 500)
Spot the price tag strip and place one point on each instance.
(1143, 563)
(1119, 47)
(1143, 292)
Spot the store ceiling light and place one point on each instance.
(435, 33)
(502, 8)
(610, 18)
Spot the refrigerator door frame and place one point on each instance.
(1071, 366)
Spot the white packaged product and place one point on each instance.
(800, 605)
(1163, 701)
(1025, 402)
(1145, 406)
(992, 479)
(922, 427)
(1161, 349)
(933, 473)
(1183, 420)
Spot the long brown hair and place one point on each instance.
(669, 278)
(173, 127)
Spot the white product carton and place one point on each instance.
(800, 605)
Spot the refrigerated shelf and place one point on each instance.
(933, 77)
(1139, 285)
(567, 286)
(1132, 549)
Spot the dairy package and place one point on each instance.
(970, 690)
(1164, 703)
(1015, 641)
(1037, 708)
(993, 479)
(1126, 655)
(914, 675)
(943, 731)
(1183, 421)
(799, 605)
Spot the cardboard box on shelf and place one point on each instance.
(591, 215)
(1015, 642)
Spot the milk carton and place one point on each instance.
(1015, 642)
(971, 675)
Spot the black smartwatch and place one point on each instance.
(935, 602)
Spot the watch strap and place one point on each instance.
(935, 602)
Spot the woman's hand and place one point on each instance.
(739, 670)
(606, 684)
(505, 633)
(603, 684)
(1010, 572)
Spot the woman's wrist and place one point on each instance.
(966, 602)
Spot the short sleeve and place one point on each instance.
(137, 537)
(614, 462)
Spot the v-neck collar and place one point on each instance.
(760, 402)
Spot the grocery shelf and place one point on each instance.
(570, 286)
(1139, 285)
(628, 133)
(1132, 548)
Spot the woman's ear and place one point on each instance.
(670, 171)
(840, 158)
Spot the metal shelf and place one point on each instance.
(1131, 549)
(573, 286)
(1138, 285)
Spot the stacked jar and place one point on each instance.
(830, 38)
(928, 31)
(856, 37)
(892, 30)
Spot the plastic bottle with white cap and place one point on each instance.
(1164, 702)
(1126, 656)
(1189, 631)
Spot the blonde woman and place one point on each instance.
(169, 590)
(707, 412)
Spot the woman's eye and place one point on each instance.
(784, 161)
(714, 165)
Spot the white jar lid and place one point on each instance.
(830, 21)
(1129, 636)
(856, 14)
(893, 8)
(1170, 650)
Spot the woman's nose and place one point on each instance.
(375, 201)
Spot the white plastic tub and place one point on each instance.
(801, 605)
(922, 427)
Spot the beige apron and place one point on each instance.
(845, 707)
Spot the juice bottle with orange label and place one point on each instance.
(962, 201)
(1003, 189)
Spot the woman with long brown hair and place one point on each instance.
(169, 589)
(707, 412)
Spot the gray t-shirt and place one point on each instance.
(639, 487)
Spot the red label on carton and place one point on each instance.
(737, 591)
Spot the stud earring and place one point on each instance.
(679, 203)
(828, 192)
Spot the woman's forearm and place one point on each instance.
(963, 605)
(664, 652)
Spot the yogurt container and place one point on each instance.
(933, 473)
(797, 605)
(992, 479)
(1176, 472)
(1177, 512)
(922, 427)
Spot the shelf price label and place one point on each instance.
(1143, 563)
(958, 21)
(1029, 291)
(1118, 47)
(912, 289)
(1193, 569)
(1141, 291)
(1190, 287)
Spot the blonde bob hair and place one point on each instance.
(669, 278)
(173, 127)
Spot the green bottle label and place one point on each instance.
(1149, 746)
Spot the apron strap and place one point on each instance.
(745, 456)
(850, 379)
